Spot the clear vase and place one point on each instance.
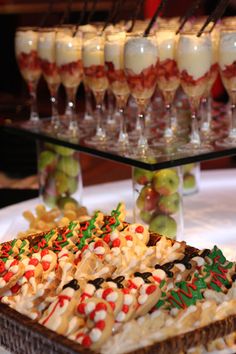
(191, 178)
(158, 200)
(60, 177)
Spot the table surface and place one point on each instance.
(209, 216)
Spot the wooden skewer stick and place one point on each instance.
(154, 17)
(195, 5)
(215, 15)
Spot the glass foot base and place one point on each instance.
(191, 148)
(226, 142)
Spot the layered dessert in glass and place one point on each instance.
(227, 65)
(93, 63)
(47, 54)
(26, 42)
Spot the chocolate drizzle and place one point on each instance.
(118, 281)
(97, 282)
(72, 284)
(205, 253)
(185, 261)
(144, 276)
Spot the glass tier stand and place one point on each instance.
(168, 159)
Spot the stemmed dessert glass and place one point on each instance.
(114, 64)
(47, 55)
(69, 63)
(227, 65)
(167, 80)
(140, 60)
(194, 58)
(26, 41)
(96, 79)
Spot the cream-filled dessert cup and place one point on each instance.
(26, 43)
(227, 65)
(47, 55)
(140, 60)
(114, 64)
(167, 78)
(96, 79)
(69, 60)
(94, 65)
(167, 69)
(194, 58)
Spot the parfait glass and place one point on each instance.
(47, 55)
(167, 80)
(140, 60)
(194, 58)
(69, 63)
(114, 64)
(96, 80)
(227, 65)
(26, 42)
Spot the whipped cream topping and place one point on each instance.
(47, 47)
(114, 49)
(227, 49)
(68, 49)
(93, 52)
(166, 42)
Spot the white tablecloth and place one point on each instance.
(209, 216)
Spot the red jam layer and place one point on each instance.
(113, 74)
(189, 80)
(95, 71)
(29, 61)
(167, 69)
(145, 80)
(230, 71)
(49, 69)
(71, 68)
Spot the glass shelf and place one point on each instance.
(168, 160)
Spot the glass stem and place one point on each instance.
(123, 136)
(232, 132)
(194, 135)
(100, 131)
(168, 133)
(142, 141)
(73, 125)
(88, 106)
(34, 117)
(206, 114)
(55, 116)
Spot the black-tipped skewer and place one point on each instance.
(66, 13)
(214, 16)
(135, 15)
(111, 14)
(47, 14)
(83, 12)
(195, 5)
(117, 12)
(92, 11)
(154, 17)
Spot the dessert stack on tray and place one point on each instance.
(113, 287)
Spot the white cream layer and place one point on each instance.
(68, 49)
(227, 49)
(166, 42)
(114, 50)
(47, 46)
(139, 54)
(26, 41)
(93, 52)
(194, 54)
